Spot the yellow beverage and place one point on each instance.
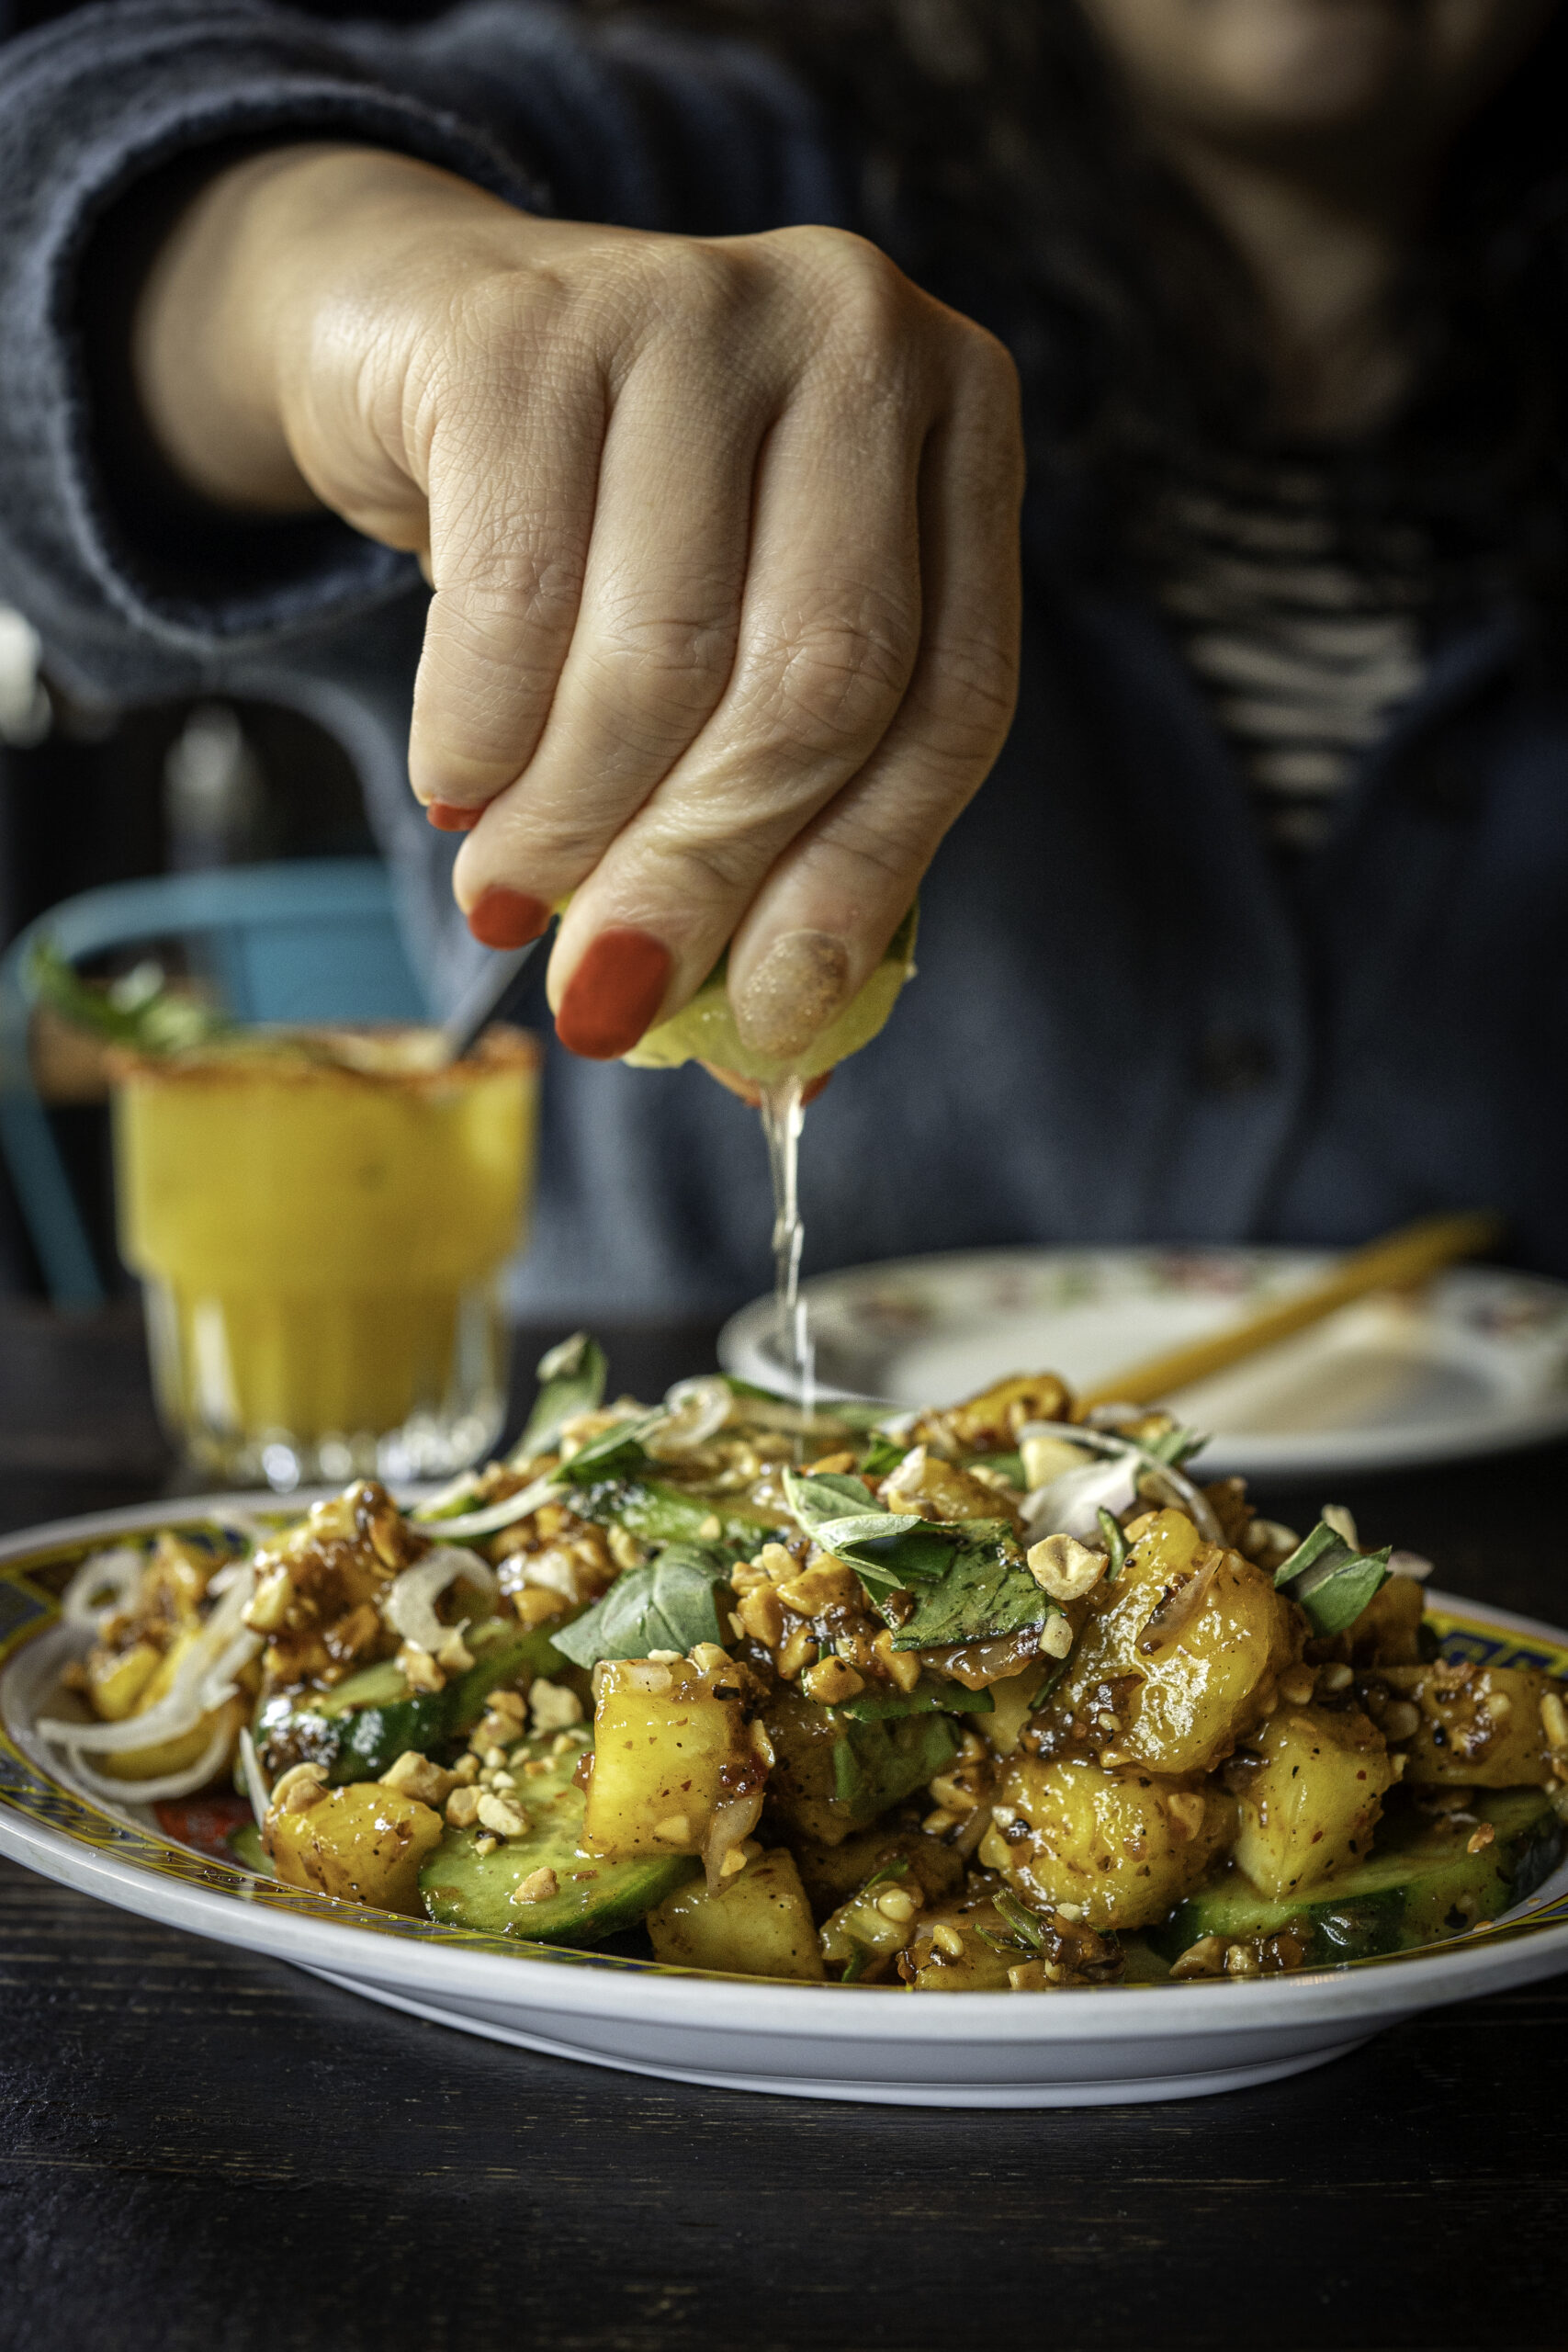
(321, 1225)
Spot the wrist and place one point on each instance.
(278, 272)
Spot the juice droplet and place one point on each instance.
(783, 1115)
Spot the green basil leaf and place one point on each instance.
(881, 1455)
(829, 1495)
(572, 1380)
(879, 1764)
(667, 1604)
(1021, 1920)
(656, 1513)
(1009, 1464)
(615, 1453)
(889, 1552)
(1329, 1582)
(986, 1594)
(933, 1695)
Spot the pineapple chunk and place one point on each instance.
(1122, 1846)
(1479, 1725)
(1183, 1653)
(362, 1843)
(117, 1679)
(121, 1700)
(1310, 1804)
(758, 1923)
(670, 1748)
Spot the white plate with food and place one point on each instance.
(1472, 1362)
(708, 1744)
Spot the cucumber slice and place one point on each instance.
(464, 1888)
(361, 1728)
(245, 1845)
(1420, 1885)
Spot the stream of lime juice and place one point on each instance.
(704, 1030)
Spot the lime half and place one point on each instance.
(705, 1030)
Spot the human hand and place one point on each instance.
(723, 539)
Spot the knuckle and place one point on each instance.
(835, 680)
(677, 660)
(708, 866)
(507, 596)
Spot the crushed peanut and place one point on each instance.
(265, 1611)
(1186, 1810)
(463, 1807)
(1205, 1958)
(553, 1706)
(831, 1680)
(454, 1656)
(1056, 1637)
(419, 1669)
(298, 1790)
(536, 1605)
(414, 1775)
(1065, 1568)
(500, 1814)
(539, 1886)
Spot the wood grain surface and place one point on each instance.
(201, 2152)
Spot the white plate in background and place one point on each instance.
(1474, 1362)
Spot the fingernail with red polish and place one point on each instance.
(614, 994)
(502, 918)
(448, 818)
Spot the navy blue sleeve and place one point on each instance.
(620, 123)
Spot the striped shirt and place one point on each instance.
(1304, 651)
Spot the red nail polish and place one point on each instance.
(502, 918)
(448, 818)
(614, 994)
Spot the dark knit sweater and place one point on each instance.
(1128, 1023)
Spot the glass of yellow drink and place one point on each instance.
(320, 1221)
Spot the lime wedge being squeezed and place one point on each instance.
(705, 1029)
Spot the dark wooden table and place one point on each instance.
(199, 2150)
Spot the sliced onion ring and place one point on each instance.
(496, 1515)
(254, 1777)
(409, 1607)
(105, 1580)
(1179, 1489)
(202, 1681)
(173, 1784)
(696, 1409)
(732, 1822)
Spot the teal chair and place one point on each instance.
(313, 941)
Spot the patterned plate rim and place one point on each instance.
(34, 1796)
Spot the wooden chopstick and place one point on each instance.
(1397, 1260)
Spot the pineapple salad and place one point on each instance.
(978, 1699)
